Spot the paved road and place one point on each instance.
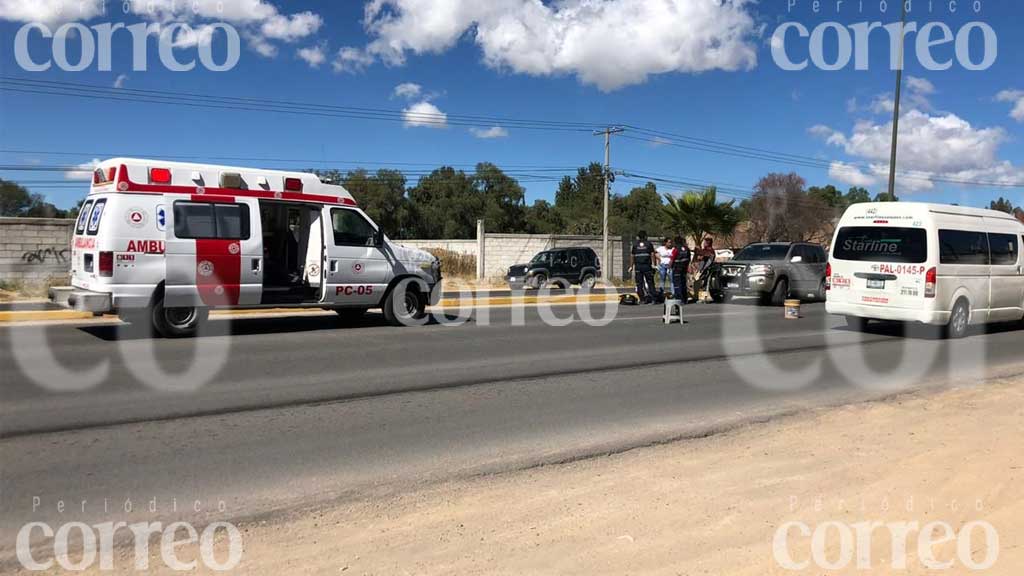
(299, 411)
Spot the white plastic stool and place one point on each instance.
(674, 311)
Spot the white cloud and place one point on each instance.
(313, 55)
(426, 115)
(258, 21)
(1016, 97)
(883, 104)
(48, 11)
(489, 133)
(351, 59)
(291, 28)
(120, 80)
(930, 146)
(608, 43)
(851, 175)
(408, 91)
(920, 86)
(84, 171)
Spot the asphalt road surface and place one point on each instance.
(262, 416)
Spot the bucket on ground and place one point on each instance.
(792, 309)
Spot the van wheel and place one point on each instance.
(780, 293)
(856, 323)
(410, 309)
(588, 282)
(177, 322)
(959, 320)
(537, 282)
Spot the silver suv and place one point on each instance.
(776, 271)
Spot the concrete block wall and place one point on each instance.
(35, 249)
(505, 250)
(458, 246)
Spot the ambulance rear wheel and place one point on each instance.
(405, 309)
(177, 322)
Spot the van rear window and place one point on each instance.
(83, 217)
(882, 244)
(96, 217)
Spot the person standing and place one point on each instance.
(680, 266)
(665, 266)
(642, 261)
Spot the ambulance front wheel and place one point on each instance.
(177, 322)
(405, 309)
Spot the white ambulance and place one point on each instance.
(941, 265)
(164, 242)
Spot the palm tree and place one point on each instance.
(699, 214)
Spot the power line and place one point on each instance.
(199, 100)
(716, 147)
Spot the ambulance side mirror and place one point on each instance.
(378, 239)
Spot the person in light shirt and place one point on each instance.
(665, 252)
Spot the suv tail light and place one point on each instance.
(828, 276)
(931, 278)
(106, 267)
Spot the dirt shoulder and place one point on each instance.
(710, 506)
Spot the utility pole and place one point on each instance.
(896, 104)
(608, 177)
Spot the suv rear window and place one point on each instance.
(882, 244)
(763, 252)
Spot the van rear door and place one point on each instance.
(214, 251)
(880, 266)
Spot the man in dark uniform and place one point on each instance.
(680, 267)
(643, 267)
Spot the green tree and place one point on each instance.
(542, 218)
(504, 210)
(446, 204)
(857, 195)
(828, 195)
(886, 197)
(14, 199)
(1002, 205)
(382, 196)
(700, 214)
(641, 209)
(580, 201)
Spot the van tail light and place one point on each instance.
(293, 184)
(106, 268)
(931, 278)
(159, 176)
(828, 276)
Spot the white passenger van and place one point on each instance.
(934, 264)
(164, 242)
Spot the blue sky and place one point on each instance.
(708, 75)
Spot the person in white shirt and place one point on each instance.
(665, 266)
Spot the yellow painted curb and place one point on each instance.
(15, 316)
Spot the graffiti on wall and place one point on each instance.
(46, 255)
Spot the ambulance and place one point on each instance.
(163, 243)
(933, 264)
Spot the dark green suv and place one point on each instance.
(559, 267)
